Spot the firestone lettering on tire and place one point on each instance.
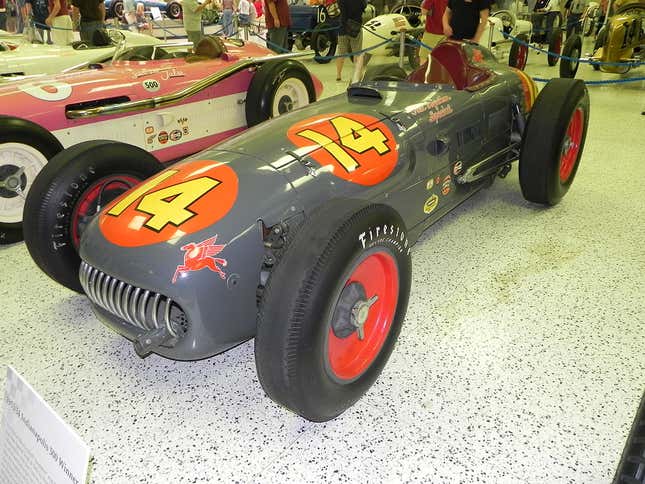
(392, 233)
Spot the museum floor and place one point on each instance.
(521, 358)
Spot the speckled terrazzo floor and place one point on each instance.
(520, 359)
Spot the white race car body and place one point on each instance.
(379, 29)
(499, 22)
(32, 59)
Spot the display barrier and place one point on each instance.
(418, 42)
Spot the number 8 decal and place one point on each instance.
(185, 199)
(47, 90)
(358, 148)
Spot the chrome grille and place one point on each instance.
(142, 308)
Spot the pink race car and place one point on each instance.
(160, 98)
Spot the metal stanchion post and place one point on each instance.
(401, 48)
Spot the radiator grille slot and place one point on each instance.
(142, 308)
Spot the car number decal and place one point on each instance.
(151, 85)
(181, 200)
(356, 147)
(47, 90)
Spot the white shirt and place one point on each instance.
(244, 7)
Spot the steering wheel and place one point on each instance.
(507, 18)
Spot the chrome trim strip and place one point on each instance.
(125, 300)
(111, 290)
(133, 307)
(166, 317)
(142, 309)
(155, 309)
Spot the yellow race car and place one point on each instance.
(620, 43)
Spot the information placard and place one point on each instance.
(36, 445)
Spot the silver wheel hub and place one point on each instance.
(360, 313)
(19, 165)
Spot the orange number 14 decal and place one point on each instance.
(352, 135)
(168, 205)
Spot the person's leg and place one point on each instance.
(341, 50)
(3, 21)
(227, 17)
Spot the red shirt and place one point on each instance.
(283, 13)
(435, 9)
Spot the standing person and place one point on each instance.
(38, 10)
(350, 35)
(278, 21)
(574, 10)
(192, 12)
(92, 17)
(130, 14)
(3, 15)
(466, 19)
(433, 11)
(20, 16)
(228, 6)
(244, 16)
(60, 22)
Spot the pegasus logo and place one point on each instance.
(202, 256)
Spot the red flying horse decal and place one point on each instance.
(202, 256)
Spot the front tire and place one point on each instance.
(572, 49)
(25, 149)
(553, 141)
(519, 53)
(68, 192)
(276, 88)
(333, 308)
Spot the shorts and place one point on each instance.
(348, 45)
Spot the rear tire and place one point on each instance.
(309, 356)
(25, 148)
(572, 48)
(65, 195)
(278, 87)
(553, 141)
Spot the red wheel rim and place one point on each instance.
(350, 357)
(522, 56)
(108, 188)
(571, 145)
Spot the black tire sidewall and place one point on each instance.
(14, 130)
(309, 389)
(56, 191)
(265, 83)
(556, 36)
(567, 68)
(540, 152)
(332, 38)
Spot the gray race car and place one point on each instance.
(298, 231)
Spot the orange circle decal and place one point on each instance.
(355, 147)
(180, 200)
